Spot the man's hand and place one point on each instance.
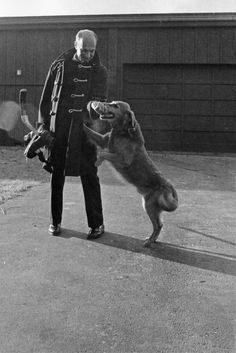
(99, 107)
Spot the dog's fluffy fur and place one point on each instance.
(124, 147)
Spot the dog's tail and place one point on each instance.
(168, 201)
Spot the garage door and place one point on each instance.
(184, 107)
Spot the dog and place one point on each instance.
(124, 148)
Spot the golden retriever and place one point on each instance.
(124, 148)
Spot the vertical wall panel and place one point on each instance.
(201, 45)
(176, 45)
(163, 45)
(3, 52)
(11, 55)
(188, 45)
(228, 48)
(214, 46)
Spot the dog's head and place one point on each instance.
(118, 113)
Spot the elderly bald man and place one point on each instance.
(75, 78)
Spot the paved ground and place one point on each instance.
(70, 295)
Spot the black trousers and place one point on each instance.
(92, 197)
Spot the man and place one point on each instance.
(74, 80)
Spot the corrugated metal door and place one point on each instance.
(184, 107)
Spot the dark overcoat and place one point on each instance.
(68, 88)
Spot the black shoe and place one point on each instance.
(95, 233)
(54, 230)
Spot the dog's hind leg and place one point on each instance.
(155, 217)
(157, 226)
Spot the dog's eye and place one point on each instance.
(115, 105)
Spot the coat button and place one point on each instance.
(73, 95)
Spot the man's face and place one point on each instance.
(85, 49)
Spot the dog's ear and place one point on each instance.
(131, 124)
(133, 120)
(129, 121)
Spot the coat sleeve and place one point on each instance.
(99, 90)
(45, 101)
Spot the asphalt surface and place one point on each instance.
(70, 295)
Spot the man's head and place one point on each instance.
(85, 45)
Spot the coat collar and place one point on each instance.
(69, 54)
